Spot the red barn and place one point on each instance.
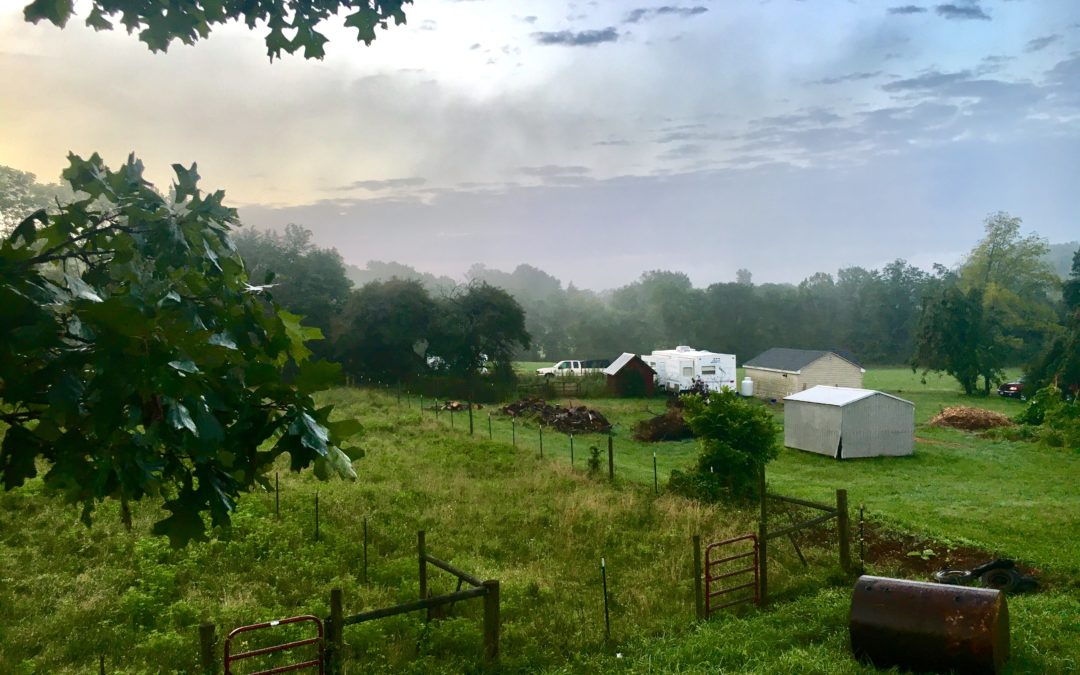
(628, 375)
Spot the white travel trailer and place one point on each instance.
(677, 369)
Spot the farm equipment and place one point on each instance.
(998, 574)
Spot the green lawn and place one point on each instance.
(68, 594)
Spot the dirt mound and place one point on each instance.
(969, 419)
(578, 419)
(671, 426)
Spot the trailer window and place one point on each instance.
(688, 371)
(708, 370)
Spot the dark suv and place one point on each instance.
(1013, 390)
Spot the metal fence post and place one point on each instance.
(843, 530)
(699, 602)
(610, 458)
(207, 651)
(763, 539)
(421, 552)
(491, 621)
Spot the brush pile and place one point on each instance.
(458, 406)
(578, 419)
(969, 419)
(671, 426)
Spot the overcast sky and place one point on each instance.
(595, 140)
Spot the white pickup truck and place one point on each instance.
(563, 368)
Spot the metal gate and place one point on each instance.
(719, 568)
(317, 641)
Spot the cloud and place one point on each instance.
(1041, 43)
(850, 77)
(907, 9)
(929, 80)
(962, 12)
(585, 38)
(642, 13)
(428, 24)
(388, 184)
(529, 19)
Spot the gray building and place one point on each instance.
(843, 422)
(780, 372)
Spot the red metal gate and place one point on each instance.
(719, 569)
(317, 641)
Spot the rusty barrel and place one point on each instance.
(929, 627)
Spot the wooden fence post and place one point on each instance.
(491, 621)
(207, 651)
(763, 539)
(843, 530)
(334, 633)
(699, 602)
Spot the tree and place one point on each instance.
(301, 277)
(1016, 283)
(20, 194)
(1059, 365)
(482, 325)
(738, 438)
(744, 276)
(137, 361)
(384, 329)
(159, 23)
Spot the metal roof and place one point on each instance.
(838, 396)
(618, 363)
(793, 360)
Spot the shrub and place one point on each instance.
(737, 439)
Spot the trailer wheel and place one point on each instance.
(1004, 580)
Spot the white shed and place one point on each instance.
(843, 422)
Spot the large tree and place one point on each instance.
(137, 361)
(385, 331)
(292, 24)
(1059, 365)
(301, 277)
(22, 194)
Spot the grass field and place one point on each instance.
(68, 594)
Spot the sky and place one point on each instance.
(594, 140)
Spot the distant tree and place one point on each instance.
(301, 277)
(1016, 284)
(1059, 365)
(21, 194)
(292, 24)
(960, 335)
(478, 326)
(385, 330)
(744, 276)
(737, 439)
(136, 361)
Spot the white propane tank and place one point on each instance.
(746, 387)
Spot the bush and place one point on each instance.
(737, 438)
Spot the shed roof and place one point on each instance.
(617, 364)
(793, 360)
(838, 396)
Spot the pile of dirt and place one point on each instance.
(578, 419)
(969, 419)
(671, 426)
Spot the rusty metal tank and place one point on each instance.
(928, 627)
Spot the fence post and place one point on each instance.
(491, 436)
(334, 633)
(513, 431)
(207, 643)
(277, 497)
(763, 539)
(470, 416)
(541, 441)
(421, 553)
(491, 621)
(843, 530)
(365, 551)
(699, 602)
(571, 450)
(101, 664)
(610, 457)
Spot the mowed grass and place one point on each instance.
(68, 594)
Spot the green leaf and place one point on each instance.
(185, 524)
(17, 457)
(55, 11)
(364, 20)
(222, 340)
(343, 430)
(184, 366)
(298, 334)
(340, 463)
(317, 375)
(65, 396)
(80, 289)
(180, 418)
(312, 434)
